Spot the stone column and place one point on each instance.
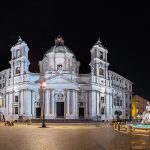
(107, 106)
(110, 105)
(33, 104)
(11, 104)
(53, 103)
(90, 103)
(71, 103)
(98, 103)
(21, 103)
(93, 103)
(28, 92)
(74, 102)
(68, 99)
(86, 107)
(7, 104)
(47, 102)
(50, 101)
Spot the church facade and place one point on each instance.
(67, 94)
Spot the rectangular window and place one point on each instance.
(102, 99)
(114, 102)
(16, 110)
(16, 98)
(101, 55)
(121, 103)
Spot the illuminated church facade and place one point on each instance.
(68, 94)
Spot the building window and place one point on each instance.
(16, 110)
(101, 55)
(102, 99)
(117, 101)
(114, 102)
(101, 71)
(120, 102)
(16, 98)
(18, 70)
(102, 110)
(18, 53)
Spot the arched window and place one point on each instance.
(18, 70)
(101, 71)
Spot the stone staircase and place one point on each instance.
(63, 121)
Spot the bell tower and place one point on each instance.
(19, 59)
(99, 64)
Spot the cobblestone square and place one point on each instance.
(68, 137)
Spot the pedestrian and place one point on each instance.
(3, 118)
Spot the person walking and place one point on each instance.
(3, 119)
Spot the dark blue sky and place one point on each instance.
(124, 30)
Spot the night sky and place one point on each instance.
(124, 29)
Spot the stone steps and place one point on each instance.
(62, 120)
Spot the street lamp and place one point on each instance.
(43, 86)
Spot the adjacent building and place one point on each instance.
(68, 94)
(138, 105)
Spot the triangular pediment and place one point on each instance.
(60, 79)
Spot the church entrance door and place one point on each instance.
(81, 112)
(38, 112)
(60, 109)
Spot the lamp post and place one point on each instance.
(43, 86)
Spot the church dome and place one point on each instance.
(59, 47)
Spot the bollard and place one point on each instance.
(114, 125)
(29, 121)
(129, 129)
(118, 126)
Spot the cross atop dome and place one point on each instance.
(59, 41)
(19, 39)
(99, 42)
